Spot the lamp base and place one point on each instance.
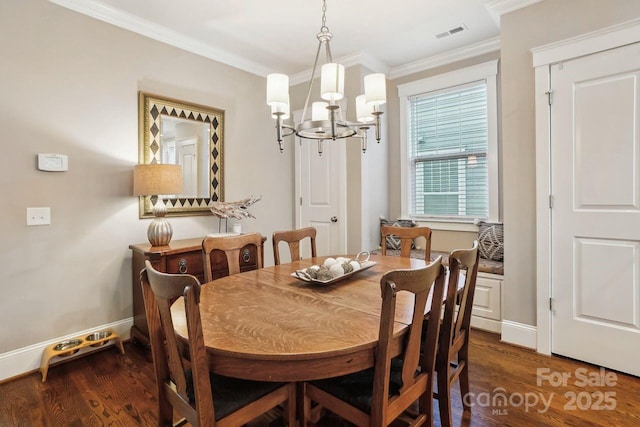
(159, 232)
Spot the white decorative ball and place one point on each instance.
(342, 260)
(355, 265)
(329, 262)
(336, 270)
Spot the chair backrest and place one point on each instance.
(456, 323)
(293, 238)
(424, 283)
(159, 291)
(407, 235)
(231, 246)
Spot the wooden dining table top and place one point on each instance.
(267, 325)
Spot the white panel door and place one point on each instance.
(322, 194)
(187, 158)
(595, 180)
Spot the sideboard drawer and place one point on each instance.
(220, 268)
(186, 263)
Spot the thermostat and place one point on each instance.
(53, 162)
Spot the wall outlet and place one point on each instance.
(38, 216)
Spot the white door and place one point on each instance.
(321, 192)
(595, 180)
(187, 158)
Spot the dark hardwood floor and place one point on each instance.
(109, 389)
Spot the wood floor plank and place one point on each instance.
(110, 389)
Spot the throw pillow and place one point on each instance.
(392, 241)
(491, 241)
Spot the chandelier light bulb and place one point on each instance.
(280, 108)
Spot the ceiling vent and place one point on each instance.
(458, 29)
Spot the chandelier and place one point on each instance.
(326, 121)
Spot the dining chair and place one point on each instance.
(202, 398)
(452, 361)
(231, 246)
(379, 395)
(293, 238)
(407, 236)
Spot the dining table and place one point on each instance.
(269, 325)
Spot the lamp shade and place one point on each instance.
(375, 88)
(156, 179)
(278, 90)
(319, 111)
(280, 108)
(364, 111)
(332, 82)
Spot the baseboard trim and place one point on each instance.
(485, 324)
(519, 334)
(27, 359)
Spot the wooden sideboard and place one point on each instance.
(180, 256)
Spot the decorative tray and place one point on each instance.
(333, 270)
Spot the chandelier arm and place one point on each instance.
(363, 135)
(377, 115)
(290, 128)
(332, 114)
(313, 73)
(328, 51)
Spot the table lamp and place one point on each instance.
(158, 180)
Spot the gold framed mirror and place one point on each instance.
(191, 135)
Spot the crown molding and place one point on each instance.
(586, 44)
(470, 51)
(113, 16)
(102, 12)
(497, 8)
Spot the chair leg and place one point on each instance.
(444, 398)
(165, 412)
(464, 387)
(290, 406)
(463, 376)
(425, 405)
(305, 420)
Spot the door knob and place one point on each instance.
(334, 219)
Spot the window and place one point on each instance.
(449, 146)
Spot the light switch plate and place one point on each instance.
(38, 216)
(53, 162)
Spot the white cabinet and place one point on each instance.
(487, 302)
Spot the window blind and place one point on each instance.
(448, 144)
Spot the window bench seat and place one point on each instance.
(487, 301)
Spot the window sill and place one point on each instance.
(448, 225)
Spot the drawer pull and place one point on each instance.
(182, 266)
(246, 255)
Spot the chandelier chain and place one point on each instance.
(324, 27)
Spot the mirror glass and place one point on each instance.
(190, 135)
(186, 143)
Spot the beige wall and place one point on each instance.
(69, 84)
(540, 24)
